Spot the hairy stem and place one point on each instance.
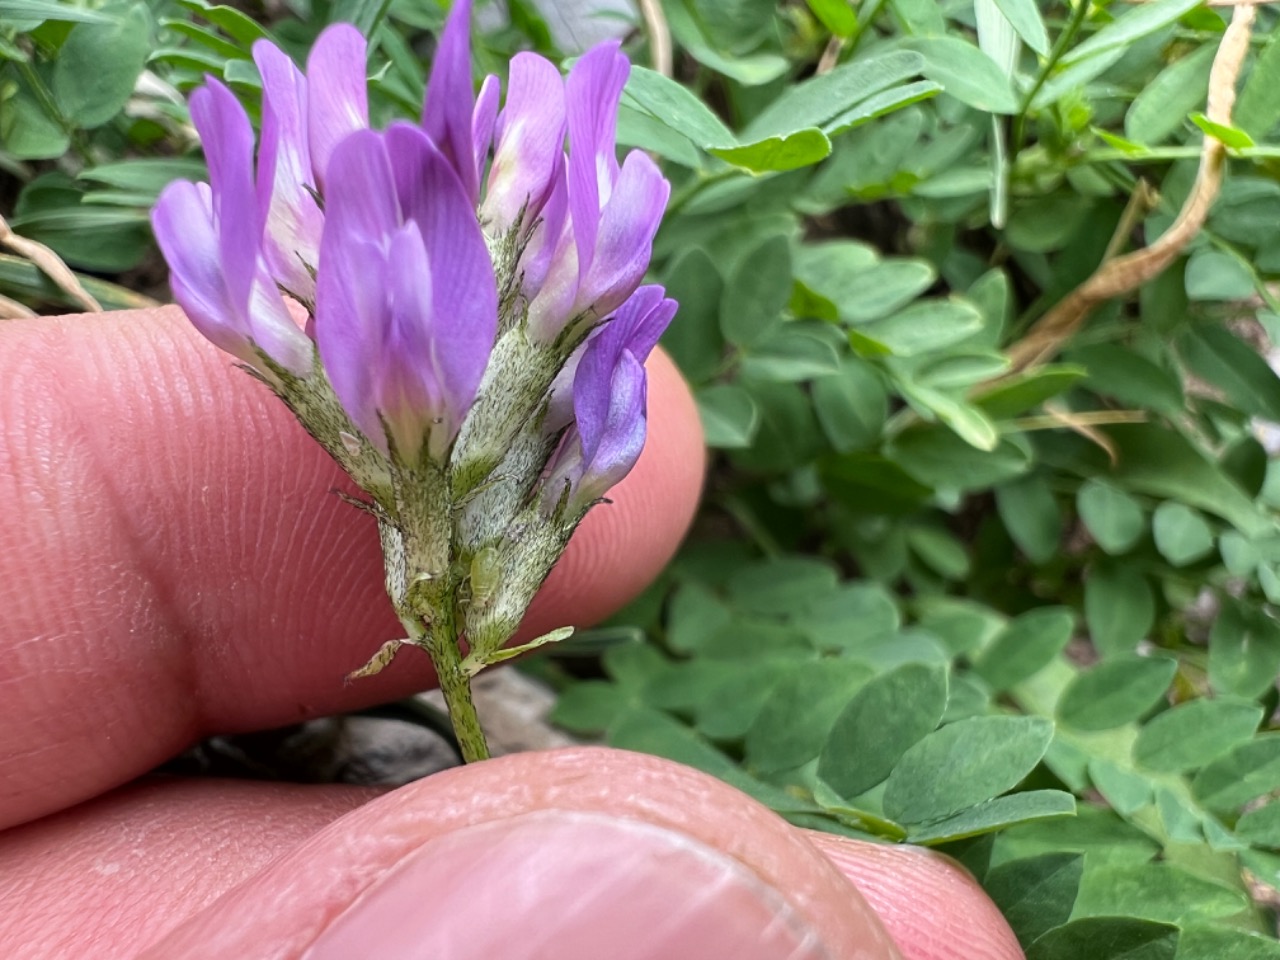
(441, 643)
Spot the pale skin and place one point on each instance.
(173, 563)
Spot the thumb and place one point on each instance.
(580, 853)
(931, 906)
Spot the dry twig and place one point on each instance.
(52, 266)
(655, 25)
(1121, 275)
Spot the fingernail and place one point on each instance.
(568, 886)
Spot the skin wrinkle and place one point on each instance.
(273, 618)
(149, 854)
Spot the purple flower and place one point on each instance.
(449, 114)
(529, 153)
(212, 235)
(302, 121)
(407, 304)
(602, 254)
(609, 393)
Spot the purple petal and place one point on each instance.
(407, 387)
(624, 244)
(592, 92)
(337, 93)
(362, 199)
(484, 119)
(447, 114)
(547, 236)
(618, 446)
(292, 220)
(640, 322)
(183, 222)
(530, 144)
(465, 321)
(227, 139)
(350, 313)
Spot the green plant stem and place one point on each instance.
(441, 644)
(1055, 54)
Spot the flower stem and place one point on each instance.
(441, 643)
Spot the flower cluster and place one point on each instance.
(475, 332)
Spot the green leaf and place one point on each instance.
(1261, 826)
(1193, 734)
(966, 73)
(1161, 462)
(1225, 943)
(791, 354)
(926, 326)
(1036, 894)
(1027, 645)
(366, 15)
(1132, 25)
(940, 550)
(1258, 109)
(144, 175)
(28, 132)
(695, 342)
(648, 731)
(964, 764)
(677, 107)
(757, 293)
(1114, 519)
(98, 66)
(695, 615)
(794, 722)
(1182, 535)
(937, 457)
(996, 814)
(1219, 357)
(781, 586)
(1217, 276)
(1024, 17)
(883, 288)
(62, 12)
(1127, 792)
(851, 405)
(836, 15)
(788, 151)
(1163, 105)
(1154, 891)
(823, 98)
(234, 23)
(849, 617)
(1244, 650)
(1247, 772)
(1026, 391)
(1107, 938)
(589, 706)
(729, 416)
(727, 707)
(1233, 138)
(888, 715)
(1030, 514)
(1119, 607)
(1115, 692)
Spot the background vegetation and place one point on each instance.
(978, 302)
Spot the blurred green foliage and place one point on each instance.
(1026, 614)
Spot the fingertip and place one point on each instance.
(932, 907)
(568, 854)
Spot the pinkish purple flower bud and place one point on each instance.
(609, 391)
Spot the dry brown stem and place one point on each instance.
(1120, 275)
(51, 265)
(655, 25)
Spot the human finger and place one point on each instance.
(173, 561)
